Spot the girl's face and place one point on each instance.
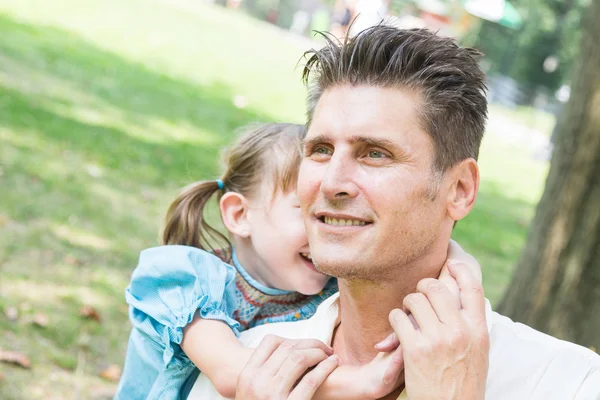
(278, 237)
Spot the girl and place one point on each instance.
(191, 297)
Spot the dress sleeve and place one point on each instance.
(171, 284)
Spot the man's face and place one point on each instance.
(370, 199)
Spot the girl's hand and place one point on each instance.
(448, 356)
(456, 255)
(374, 380)
(281, 369)
(381, 376)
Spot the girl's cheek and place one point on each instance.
(301, 232)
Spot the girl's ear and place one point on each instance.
(234, 211)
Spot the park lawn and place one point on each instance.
(106, 109)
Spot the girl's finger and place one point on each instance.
(455, 250)
(440, 299)
(263, 352)
(308, 385)
(450, 283)
(395, 367)
(471, 292)
(457, 254)
(390, 343)
(419, 306)
(287, 347)
(296, 365)
(402, 326)
(312, 344)
(278, 357)
(413, 321)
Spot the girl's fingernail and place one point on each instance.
(333, 358)
(452, 262)
(394, 314)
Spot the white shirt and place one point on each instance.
(524, 364)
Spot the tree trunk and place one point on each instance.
(556, 286)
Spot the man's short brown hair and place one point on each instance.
(447, 77)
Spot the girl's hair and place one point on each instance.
(263, 154)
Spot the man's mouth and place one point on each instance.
(342, 221)
(339, 219)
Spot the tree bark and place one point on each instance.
(556, 286)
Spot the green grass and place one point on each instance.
(106, 109)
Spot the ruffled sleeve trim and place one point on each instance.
(171, 284)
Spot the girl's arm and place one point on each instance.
(170, 287)
(217, 352)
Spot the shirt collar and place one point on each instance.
(331, 314)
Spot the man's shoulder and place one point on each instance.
(510, 333)
(526, 363)
(290, 330)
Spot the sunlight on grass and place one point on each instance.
(81, 238)
(42, 295)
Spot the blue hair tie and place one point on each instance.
(220, 184)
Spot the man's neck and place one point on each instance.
(365, 307)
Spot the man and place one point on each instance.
(395, 119)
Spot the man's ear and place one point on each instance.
(234, 212)
(465, 185)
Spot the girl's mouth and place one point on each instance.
(308, 261)
(306, 256)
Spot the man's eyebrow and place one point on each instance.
(378, 142)
(316, 140)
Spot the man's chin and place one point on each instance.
(343, 268)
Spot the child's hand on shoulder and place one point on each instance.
(456, 255)
(382, 375)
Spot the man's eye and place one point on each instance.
(321, 150)
(376, 154)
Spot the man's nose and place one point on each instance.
(338, 182)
